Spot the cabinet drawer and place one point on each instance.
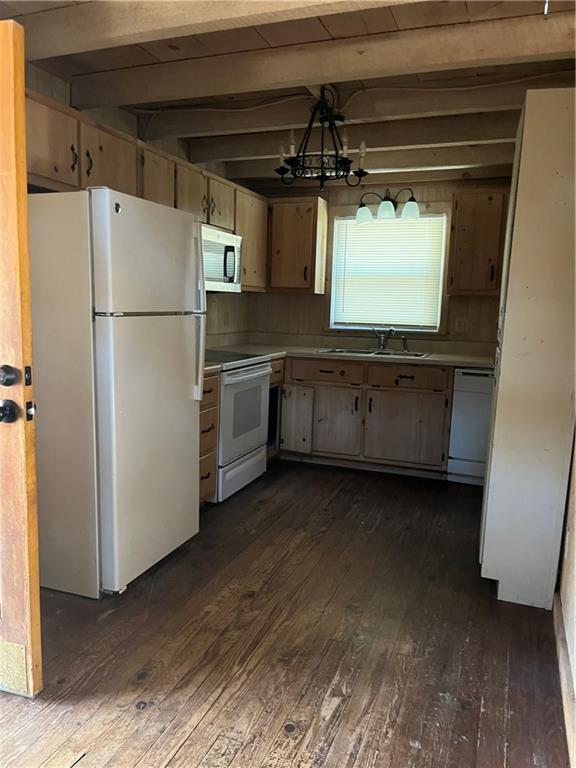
(210, 393)
(208, 431)
(327, 370)
(409, 376)
(207, 476)
(277, 375)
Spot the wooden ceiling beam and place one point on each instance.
(396, 160)
(368, 106)
(467, 45)
(456, 130)
(96, 25)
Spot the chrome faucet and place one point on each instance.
(384, 337)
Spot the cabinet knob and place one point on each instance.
(8, 375)
(8, 411)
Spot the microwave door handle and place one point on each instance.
(228, 249)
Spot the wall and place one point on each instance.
(284, 319)
(566, 620)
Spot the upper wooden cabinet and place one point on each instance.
(53, 150)
(157, 178)
(252, 226)
(221, 203)
(298, 245)
(477, 239)
(192, 192)
(107, 160)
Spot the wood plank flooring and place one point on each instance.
(322, 618)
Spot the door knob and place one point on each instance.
(8, 411)
(8, 375)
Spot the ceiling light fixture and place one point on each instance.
(388, 206)
(331, 162)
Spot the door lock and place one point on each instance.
(8, 375)
(8, 411)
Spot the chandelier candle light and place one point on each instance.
(387, 207)
(331, 162)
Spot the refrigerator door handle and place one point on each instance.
(198, 257)
(200, 354)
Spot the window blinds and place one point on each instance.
(388, 273)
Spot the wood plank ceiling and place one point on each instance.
(233, 92)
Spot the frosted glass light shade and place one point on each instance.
(386, 210)
(363, 214)
(411, 210)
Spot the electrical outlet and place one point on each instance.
(462, 325)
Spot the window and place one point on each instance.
(388, 273)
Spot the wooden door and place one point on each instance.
(405, 427)
(292, 245)
(52, 144)
(20, 645)
(297, 411)
(192, 192)
(106, 160)
(222, 204)
(252, 226)
(337, 421)
(477, 242)
(157, 178)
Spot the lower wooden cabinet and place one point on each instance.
(209, 438)
(337, 426)
(398, 421)
(406, 427)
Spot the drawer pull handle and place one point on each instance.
(205, 477)
(492, 273)
(403, 376)
(208, 429)
(356, 403)
(207, 391)
(369, 405)
(326, 370)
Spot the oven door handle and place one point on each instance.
(235, 377)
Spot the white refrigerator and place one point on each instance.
(118, 313)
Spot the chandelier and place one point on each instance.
(331, 162)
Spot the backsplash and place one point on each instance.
(227, 319)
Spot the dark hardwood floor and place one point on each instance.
(322, 618)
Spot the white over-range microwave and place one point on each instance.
(222, 260)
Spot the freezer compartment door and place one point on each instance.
(146, 257)
(148, 441)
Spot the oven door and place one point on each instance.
(243, 411)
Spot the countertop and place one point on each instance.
(211, 368)
(435, 358)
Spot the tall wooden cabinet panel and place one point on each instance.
(52, 145)
(107, 160)
(192, 192)
(477, 240)
(298, 245)
(405, 427)
(252, 226)
(337, 420)
(157, 178)
(221, 201)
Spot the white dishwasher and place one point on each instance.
(470, 427)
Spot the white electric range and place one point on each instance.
(243, 423)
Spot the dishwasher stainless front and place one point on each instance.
(470, 427)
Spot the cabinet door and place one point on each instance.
(477, 242)
(192, 192)
(52, 144)
(337, 421)
(252, 226)
(222, 204)
(406, 427)
(107, 160)
(157, 178)
(292, 246)
(296, 430)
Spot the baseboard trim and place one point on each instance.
(566, 680)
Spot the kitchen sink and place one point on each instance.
(373, 352)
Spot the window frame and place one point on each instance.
(346, 211)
